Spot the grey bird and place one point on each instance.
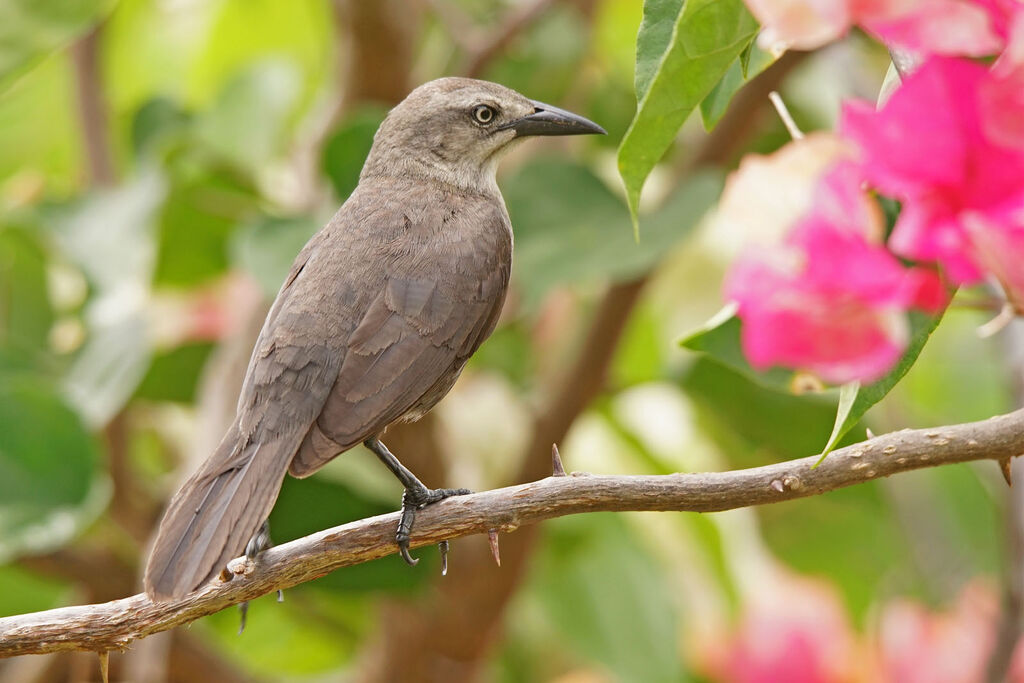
(373, 325)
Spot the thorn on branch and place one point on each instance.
(557, 470)
(870, 434)
(1005, 466)
(492, 537)
(104, 656)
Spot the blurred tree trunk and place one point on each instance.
(377, 41)
(1011, 622)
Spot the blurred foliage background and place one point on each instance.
(161, 163)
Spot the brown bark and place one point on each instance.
(377, 46)
(92, 107)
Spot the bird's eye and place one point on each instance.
(483, 114)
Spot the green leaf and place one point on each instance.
(30, 29)
(267, 248)
(112, 227)
(196, 224)
(848, 535)
(568, 226)
(51, 481)
(593, 577)
(707, 37)
(749, 64)
(855, 400)
(174, 374)
(25, 311)
(309, 636)
(719, 338)
(157, 120)
(247, 123)
(309, 505)
(853, 537)
(346, 150)
(510, 352)
(653, 40)
(955, 379)
(760, 424)
(641, 356)
(108, 368)
(23, 591)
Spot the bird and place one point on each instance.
(373, 324)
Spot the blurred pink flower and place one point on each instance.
(1002, 95)
(830, 299)
(917, 645)
(949, 27)
(947, 144)
(208, 313)
(795, 630)
(942, 27)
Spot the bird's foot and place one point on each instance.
(416, 498)
(259, 542)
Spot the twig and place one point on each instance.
(994, 326)
(114, 625)
(514, 24)
(458, 25)
(787, 118)
(92, 107)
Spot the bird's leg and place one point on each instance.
(415, 497)
(259, 542)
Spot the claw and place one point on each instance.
(259, 542)
(403, 550)
(415, 497)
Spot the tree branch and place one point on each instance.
(517, 21)
(114, 625)
(92, 107)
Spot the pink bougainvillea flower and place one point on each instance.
(962, 186)
(947, 27)
(794, 630)
(1002, 95)
(769, 193)
(209, 313)
(800, 24)
(830, 299)
(942, 27)
(920, 646)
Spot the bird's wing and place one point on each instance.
(413, 339)
(221, 506)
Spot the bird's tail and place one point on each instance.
(213, 515)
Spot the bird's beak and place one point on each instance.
(548, 120)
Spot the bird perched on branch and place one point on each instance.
(378, 316)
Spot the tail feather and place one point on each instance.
(214, 515)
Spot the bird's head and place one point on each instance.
(454, 130)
